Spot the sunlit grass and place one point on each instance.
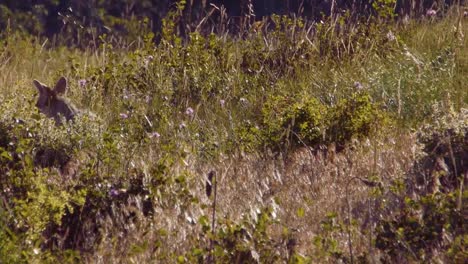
(170, 113)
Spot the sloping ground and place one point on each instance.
(325, 146)
(301, 188)
(304, 187)
(314, 202)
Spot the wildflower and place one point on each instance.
(222, 102)
(182, 125)
(113, 192)
(358, 86)
(391, 36)
(123, 115)
(82, 83)
(189, 111)
(431, 12)
(154, 135)
(147, 60)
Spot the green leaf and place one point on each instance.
(5, 155)
(300, 212)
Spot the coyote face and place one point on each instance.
(52, 104)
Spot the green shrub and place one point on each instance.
(429, 223)
(287, 122)
(419, 230)
(250, 240)
(353, 117)
(290, 123)
(248, 136)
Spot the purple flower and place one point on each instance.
(113, 192)
(431, 12)
(182, 125)
(154, 135)
(358, 85)
(82, 83)
(123, 115)
(222, 102)
(189, 111)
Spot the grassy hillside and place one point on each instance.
(323, 142)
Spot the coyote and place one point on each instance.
(52, 104)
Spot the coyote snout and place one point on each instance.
(52, 104)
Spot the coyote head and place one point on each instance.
(52, 104)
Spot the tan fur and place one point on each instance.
(52, 104)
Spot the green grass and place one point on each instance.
(292, 121)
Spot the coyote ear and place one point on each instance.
(61, 86)
(39, 86)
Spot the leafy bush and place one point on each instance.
(445, 142)
(248, 241)
(354, 117)
(287, 122)
(293, 123)
(423, 228)
(430, 220)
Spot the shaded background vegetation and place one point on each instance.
(52, 17)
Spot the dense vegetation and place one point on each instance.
(287, 141)
(80, 23)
